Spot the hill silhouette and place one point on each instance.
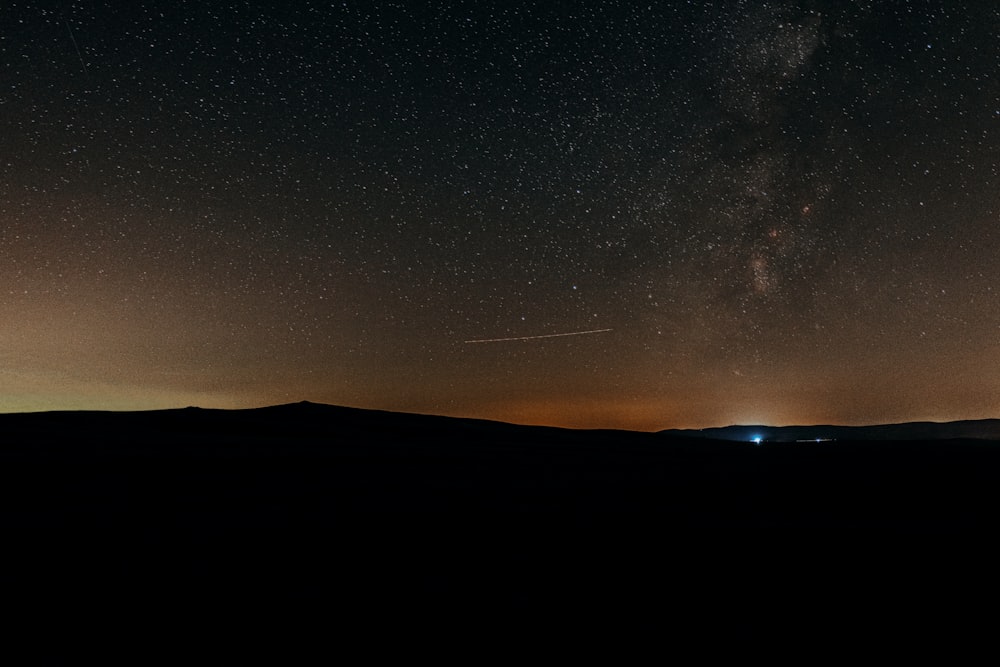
(393, 521)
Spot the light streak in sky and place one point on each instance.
(555, 335)
(77, 47)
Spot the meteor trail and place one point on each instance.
(556, 335)
(77, 47)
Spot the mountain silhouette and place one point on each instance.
(383, 524)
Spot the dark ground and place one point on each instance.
(351, 527)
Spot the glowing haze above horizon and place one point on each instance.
(737, 212)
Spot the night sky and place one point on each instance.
(740, 212)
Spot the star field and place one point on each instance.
(782, 212)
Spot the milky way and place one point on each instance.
(783, 212)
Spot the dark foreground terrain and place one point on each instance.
(380, 528)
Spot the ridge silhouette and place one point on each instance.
(420, 520)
